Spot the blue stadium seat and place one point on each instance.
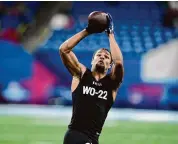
(8, 3)
(137, 26)
(9, 21)
(32, 5)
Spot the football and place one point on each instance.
(98, 21)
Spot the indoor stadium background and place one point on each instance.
(35, 98)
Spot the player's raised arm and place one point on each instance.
(68, 57)
(117, 72)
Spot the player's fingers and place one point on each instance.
(109, 16)
(108, 20)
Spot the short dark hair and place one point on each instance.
(102, 49)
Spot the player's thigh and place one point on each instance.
(74, 137)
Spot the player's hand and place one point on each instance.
(110, 28)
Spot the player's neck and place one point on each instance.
(97, 75)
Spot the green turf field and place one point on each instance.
(19, 130)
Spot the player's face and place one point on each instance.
(101, 59)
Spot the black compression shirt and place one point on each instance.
(91, 102)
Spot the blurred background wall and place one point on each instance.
(31, 71)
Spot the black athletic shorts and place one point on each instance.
(76, 137)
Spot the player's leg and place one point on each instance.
(75, 137)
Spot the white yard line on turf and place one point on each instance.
(66, 112)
